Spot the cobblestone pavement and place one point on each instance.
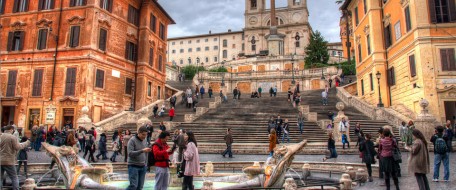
(407, 181)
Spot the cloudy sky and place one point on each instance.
(199, 16)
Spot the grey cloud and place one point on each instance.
(199, 16)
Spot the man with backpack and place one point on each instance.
(160, 159)
(441, 154)
(136, 149)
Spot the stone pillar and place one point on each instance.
(290, 184)
(425, 122)
(29, 184)
(336, 132)
(208, 168)
(351, 171)
(174, 180)
(306, 171)
(361, 175)
(345, 182)
(84, 119)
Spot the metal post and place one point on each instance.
(292, 69)
(380, 104)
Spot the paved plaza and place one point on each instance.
(407, 181)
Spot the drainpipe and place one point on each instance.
(56, 49)
(386, 55)
(136, 61)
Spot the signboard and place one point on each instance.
(50, 115)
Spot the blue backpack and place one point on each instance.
(440, 146)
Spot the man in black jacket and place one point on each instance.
(229, 141)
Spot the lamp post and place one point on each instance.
(380, 104)
(223, 75)
(197, 67)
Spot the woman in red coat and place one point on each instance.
(171, 114)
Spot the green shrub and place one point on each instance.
(219, 70)
(190, 71)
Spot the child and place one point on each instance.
(345, 140)
(115, 149)
(22, 157)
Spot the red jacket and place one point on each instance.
(171, 112)
(160, 154)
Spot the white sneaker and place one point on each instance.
(435, 180)
(446, 180)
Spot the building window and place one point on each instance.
(153, 23)
(253, 47)
(181, 61)
(225, 54)
(45, 4)
(216, 59)
(215, 47)
(207, 59)
(99, 79)
(356, 16)
(225, 43)
(42, 39)
(391, 77)
(37, 82)
(253, 4)
(189, 50)
(189, 42)
(11, 87)
(162, 31)
(151, 57)
(75, 3)
(408, 22)
(74, 36)
(102, 39)
(189, 61)
(442, 11)
(362, 87)
(447, 59)
(16, 41)
(181, 50)
(388, 40)
(198, 49)
(206, 40)
(106, 5)
(368, 45)
(20, 6)
(360, 53)
(397, 30)
(371, 78)
(365, 6)
(412, 65)
(296, 2)
(2, 6)
(149, 89)
(160, 63)
(215, 39)
(131, 51)
(197, 41)
(70, 83)
(133, 15)
(128, 85)
(206, 48)
(174, 43)
(233, 46)
(158, 92)
(173, 51)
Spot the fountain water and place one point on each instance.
(300, 178)
(41, 178)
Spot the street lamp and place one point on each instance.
(380, 104)
(292, 69)
(223, 74)
(197, 67)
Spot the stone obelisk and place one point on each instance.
(275, 40)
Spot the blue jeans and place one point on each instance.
(11, 173)
(161, 178)
(114, 155)
(301, 125)
(288, 137)
(38, 144)
(271, 153)
(439, 158)
(228, 151)
(136, 176)
(325, 101)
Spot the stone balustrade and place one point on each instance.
(312, 116)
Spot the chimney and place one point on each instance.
(229, 30)
(210, 32)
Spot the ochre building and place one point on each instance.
(65, 54)
(411, 43)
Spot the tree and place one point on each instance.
(191, 70)
(317, 50)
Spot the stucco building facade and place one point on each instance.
(411, 44)
(62, 55)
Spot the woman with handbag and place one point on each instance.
(386, 148)
(331, 148)
(191, 161)
(366, 147)
(418, 162)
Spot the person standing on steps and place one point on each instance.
(297, 100)
(229, 141)
(366, 147)
(235, 93)
(209, 91)
(196, 91)
(180, 144)
(389, 168)
(331, 153)
(259, 91)
(189, 101)
(272, 142)
(137, 149)
(127, 136)
(192, 161)
(22, 158)
(403, 132)
(202, 92)
(271, 91)
(278, 123)
(286, 131)
(155, 110)
(275, 91)
(188, 92)
(300, 122)
(418, 162)
(150, 130)
(409, 138)
(449, 134)
(441, 154)
(162, 126)
(289, 94)
(102, 150)
(171, 114)
(271, 125)
(358, 133)
(162, 151)
(239, 94)
(324, 98)
(330, 82)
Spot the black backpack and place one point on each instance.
(150, 157)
